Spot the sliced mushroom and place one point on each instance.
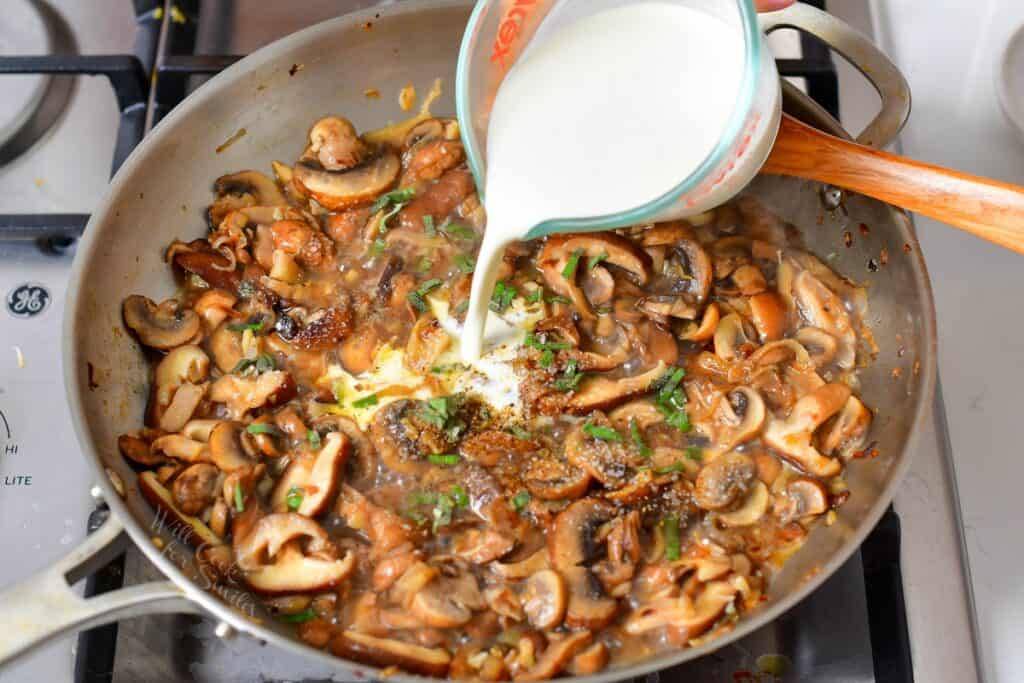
(516, 571)
(731, 340)
(180, 448)
(557, 656)
(545, 599)
(195, 488)
(385, 529)
(686, 273)
(385, 652)
(242, 394)
(138, 451)
(160, 327)
(849, 431)
(823, 309)
(226, 447)
(752, 509)
(792, 437)
(570, 545)
(482, 546)
(275, 538)
(707, 609)
(768, 313)
(619, 251)
(802, 497)
(187, 398)
(550, 479)
(191, 529)
(601, 393)
(590, 661)
(821, 346)
(742, 414)
(606, 461)
(315, 477)
(335, 143)
(187, 363)
(427, 341)
(349, 186)
(504, 601)
(724, 480)
(262, 189)
(271, 533)
(448, 602)
(226, 347)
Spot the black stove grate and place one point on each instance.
(150, 82)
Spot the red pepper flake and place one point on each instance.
(820, 220)
(296, 68)
(871, 451)
(92, 376)
(917, 367)
(864, 229)
(907, 248)
(367, 25)
(848, 238)
(896, 373)
(883, 257)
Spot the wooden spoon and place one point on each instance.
(986, 208)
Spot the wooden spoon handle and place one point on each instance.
(987, 208)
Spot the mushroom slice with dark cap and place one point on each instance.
(339, 170)
(802, 497)
(823, 309)
(849, 431)
(195, 488)
(571, 544)
(184, 526)
(613, 249)
(261, 188)
(242, 394)
(312, 479)
(402, 440)
(384, 652)
(551, 479)
(606, 461)
(600, 393)
(724, 480)
(740, 416)
(686, 274)
(160, 327)
(792, 437)
(557, 656)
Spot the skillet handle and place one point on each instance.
(864, 55)
(44, 606)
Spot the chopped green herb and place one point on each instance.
(243, 365)
(294, 498)
(519, 432)
(196, 282)
(678, 419)
(255, 325)
(423, 498)
(460, 496)
(465, 263)
(313, 437)
(520, 500)
(299, 617)
(462, 307)
(424, 265)
(378, 247)
(366, 401)
(263, 428)
(669, 469)
(535, 296)
(670, 398)
(428, 226)
(670, 531)
(569, 271)
(502, 297)
(446, 459)
(442, 512)
(383, 226)
(694, 453)
(547, 358)
(239, 501)
(415, 297)
(601, 432)
(534, 342)
(594, 260)
(570, 380)
(638, 439)
(393, 197)
(558, 300)
(459, 231)
(265, 363)
(415, 516)
(448, 368)
(417, 302)
(668, 383)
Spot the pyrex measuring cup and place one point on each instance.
(501, 31)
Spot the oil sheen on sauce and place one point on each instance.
(606, 114)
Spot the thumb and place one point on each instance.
(771, 5)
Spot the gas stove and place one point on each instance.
(899, 610)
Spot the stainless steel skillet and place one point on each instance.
(159, 195)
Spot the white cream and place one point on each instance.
(605, 115)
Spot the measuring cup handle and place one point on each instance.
(44, 606)
(864, 55)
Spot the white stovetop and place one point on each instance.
(948, 50)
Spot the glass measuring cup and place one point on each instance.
(501, 31)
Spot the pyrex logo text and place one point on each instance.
(509, 29)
